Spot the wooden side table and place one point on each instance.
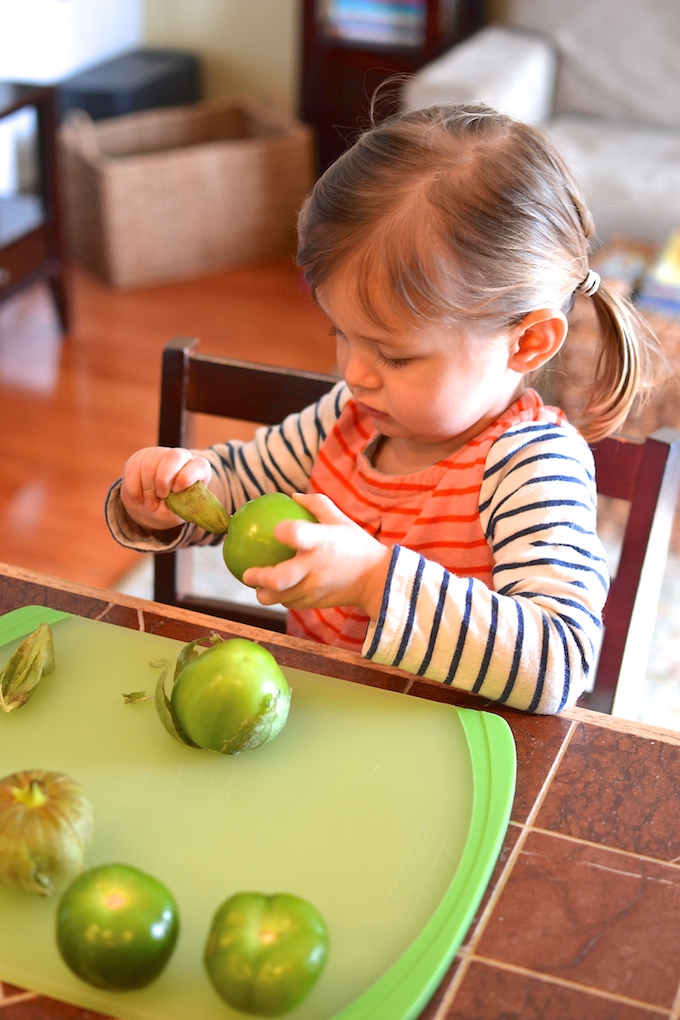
(31, 240)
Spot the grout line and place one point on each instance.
(675, 1009)
(608, 848)
(12, 1000)
(542, 793)
(552, 979)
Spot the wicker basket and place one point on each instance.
(169, 193)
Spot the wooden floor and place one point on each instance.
(73, 407)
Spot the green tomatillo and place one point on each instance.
(117, 927)
(231, 697)
(249, 532)
(250, 539)
(265, 953)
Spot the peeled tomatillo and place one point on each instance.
(117, 927)
(250, 539)
(265, 953)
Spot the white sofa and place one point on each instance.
(604, 77)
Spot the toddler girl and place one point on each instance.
(456, 535)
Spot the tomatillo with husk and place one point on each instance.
(231, 697)
(46, 827)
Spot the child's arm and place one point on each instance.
(279, 458)
(531, 642)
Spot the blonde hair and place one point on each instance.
(468, 215)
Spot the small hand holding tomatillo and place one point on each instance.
(148, 478)
(337, 563)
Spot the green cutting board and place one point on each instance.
(385, 811)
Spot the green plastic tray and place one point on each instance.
(386, 811)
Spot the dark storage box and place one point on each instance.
(138, 80)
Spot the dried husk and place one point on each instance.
(33, 659)
(198, 505)
(46, 827)
(186, 655)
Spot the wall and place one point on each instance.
(246, 46)
(45, 40)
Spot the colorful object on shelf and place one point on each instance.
(378, 22)
(660, 287)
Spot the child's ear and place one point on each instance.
(537, 339)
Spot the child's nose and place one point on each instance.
(359, 370)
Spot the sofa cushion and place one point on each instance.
(611, 159)
(511, 71)
(617, 59)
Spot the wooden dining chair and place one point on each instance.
(644, 474)
(199, 384)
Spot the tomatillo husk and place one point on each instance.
(198, 505)
(46, 827)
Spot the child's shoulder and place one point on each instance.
(530, 417)
(532, 430)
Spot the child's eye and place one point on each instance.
(393, 362)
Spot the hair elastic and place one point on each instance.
(591, 284)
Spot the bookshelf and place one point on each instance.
(350, 47)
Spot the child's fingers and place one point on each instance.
(135, 475)
(300, 534)
(323, 508)
(167, 473)
(278, 578)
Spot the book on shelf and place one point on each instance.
(659, 289)
(380, 22)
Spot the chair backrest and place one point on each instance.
(645, 474)
(194, 383)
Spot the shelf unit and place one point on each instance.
(340, 74)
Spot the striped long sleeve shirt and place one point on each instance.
(497, 578)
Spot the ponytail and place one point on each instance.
(629, 363)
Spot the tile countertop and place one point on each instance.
(582, 915)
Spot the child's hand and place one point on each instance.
(150, 475)
(337, 563)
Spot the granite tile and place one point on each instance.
(489, 993)
(8, 991)
(538, 739)
(17, 593)
(600, 918)
(619, 789)
(40, 1008)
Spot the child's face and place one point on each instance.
(429, 388)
